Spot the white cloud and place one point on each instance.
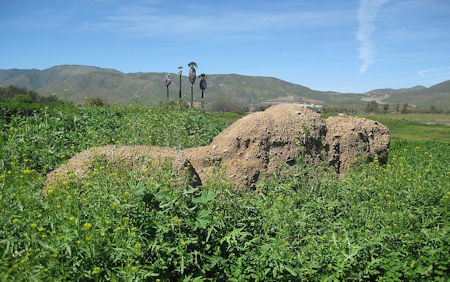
(151, 21)
(367, 12)
(435, 72)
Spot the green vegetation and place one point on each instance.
(18, 94)
(226, 105)
(227, 118)
(417, 127)
(53, 135)
(23, 102)
(379, 222)
(413, 127)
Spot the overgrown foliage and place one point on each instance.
(226, 105)
(11, 92)
(379, 222)
(20, 101)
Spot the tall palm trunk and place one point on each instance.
(203, 100)
(179, 92)
(180, 72)
(192, 95)
(167, 88)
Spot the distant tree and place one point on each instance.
(23, 98)
(192, 76)
(11, 91)
(433, 109)
(385, 108)
(372, 107)
(397, 108)
(203, 86)
(180, 72)
(404, 109)
(167, 82)
(52, 99)
(226, 105)
(95, 102)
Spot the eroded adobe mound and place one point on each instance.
(260, 142)
(128, 157)
(349, 138)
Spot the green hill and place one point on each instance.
(74, 83)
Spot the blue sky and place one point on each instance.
(340, 45)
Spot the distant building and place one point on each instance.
(311, 105)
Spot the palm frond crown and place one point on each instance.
(192, 72)
(167, 80)
(193, 64)
(203, 83)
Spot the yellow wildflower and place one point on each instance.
(96, 269)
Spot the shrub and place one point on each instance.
(94, 102)
(226, 105)
(22, 98)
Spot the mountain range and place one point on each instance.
(75, 82)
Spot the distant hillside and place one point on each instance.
(75, 82)
(437, 95)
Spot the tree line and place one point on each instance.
(16, 94)
(374, 107)
(15, 100)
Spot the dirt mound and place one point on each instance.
(260, 142)
(350, 138)
(127, 156)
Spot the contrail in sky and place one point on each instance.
(434, 72)
(367, 12)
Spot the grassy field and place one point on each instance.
(417, 127)
(379, 222)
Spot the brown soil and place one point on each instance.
(260, 142)
(127, 156)
(350, 138)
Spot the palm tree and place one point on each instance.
(192, 76)
(167, 82)
(203, 86)
(180, 72)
